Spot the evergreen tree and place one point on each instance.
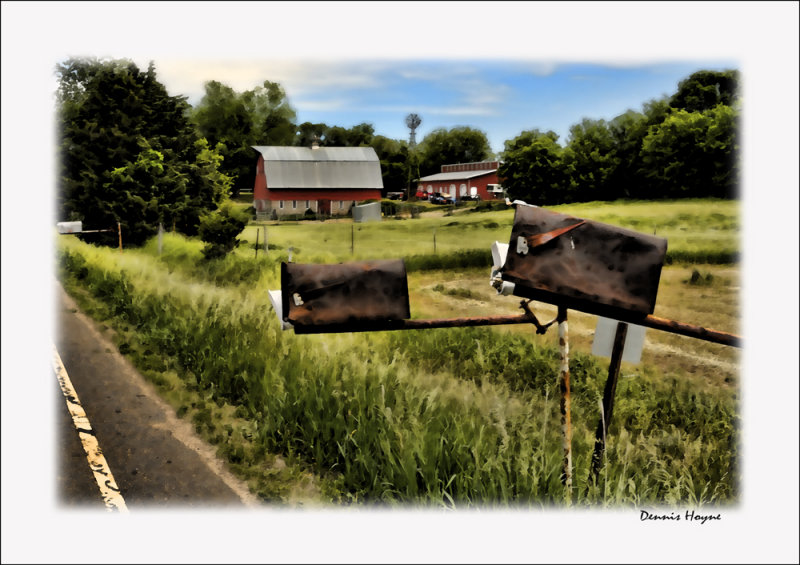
(128, 153)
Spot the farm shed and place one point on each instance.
(464, 179)
(326, 180)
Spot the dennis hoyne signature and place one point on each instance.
(688, 516)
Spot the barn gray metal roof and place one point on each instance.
(457, 175)
(321, 168)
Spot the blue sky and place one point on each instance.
(500, 97)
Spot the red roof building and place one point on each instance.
(464, 181)
(325, 180)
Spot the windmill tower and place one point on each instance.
(413, 121)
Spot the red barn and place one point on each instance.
(464, 179)
(328, 180)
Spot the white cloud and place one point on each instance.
(297, 77)
(541, 68)
(323, 105)
(325, 85)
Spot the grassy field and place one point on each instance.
(452, 418)
(707, 230)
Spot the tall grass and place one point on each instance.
(447, 418)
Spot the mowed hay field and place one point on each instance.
(449, 417)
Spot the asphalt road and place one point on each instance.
(156, 459)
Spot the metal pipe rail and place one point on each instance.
(663, 324)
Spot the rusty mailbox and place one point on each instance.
(344, 296)
(583, 264)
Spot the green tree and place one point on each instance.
(237, 121)
(533, 169)
(704, 90)
(457, 145)
(692, 154)
(627, 132)
(272, 118)
(143, 193)
(360, 135)
(128, 153)
(393, 155)
(591, 157)
(357, 136)
(307, 132)
(220, 230)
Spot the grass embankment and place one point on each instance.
(444, 417)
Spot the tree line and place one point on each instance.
(263, 116)
(683, 146)
(131, 153)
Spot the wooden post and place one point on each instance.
(266, 247)
(434, 241)
(119, 231)
(352, 239)
(608, 399)
(566, 417)
(160, 238)
(258, 233)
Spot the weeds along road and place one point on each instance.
(156, 459)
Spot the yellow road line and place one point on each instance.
(97, 462)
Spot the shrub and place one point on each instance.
(389, 208)
(698, 279)
(219, 230)
(489, 206)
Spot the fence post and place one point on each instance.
(434, 241)
(608, 399)
(119, 231)
(565, 405)
(258, 233)
(352, 239)
(160, 238)
(266, 247)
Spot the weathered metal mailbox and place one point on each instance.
(583, 264)
(353, 296)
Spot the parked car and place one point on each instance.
(394, 195)
(421, 195)
(438, 198)
(472, 197)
